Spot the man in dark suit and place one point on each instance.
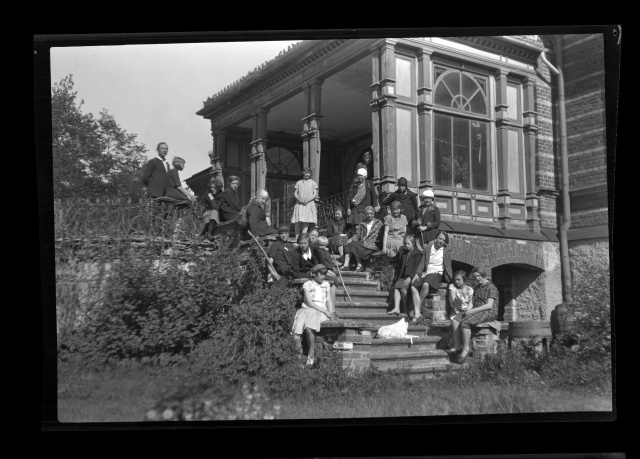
(154, 172)
(154, 177)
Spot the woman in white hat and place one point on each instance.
(429, 218)
(361, 196)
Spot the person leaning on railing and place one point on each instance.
(211, 205)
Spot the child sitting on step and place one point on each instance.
(325, 257)
(316, 308)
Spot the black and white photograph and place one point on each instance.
(329, 227)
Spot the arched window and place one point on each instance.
(461, 142)
(281, 161)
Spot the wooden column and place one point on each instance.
(425, 118)
(530, 130)
(376, 143)
(219, 154)
(258, 147)
(502, 140)
(311, 128)
(387, 103)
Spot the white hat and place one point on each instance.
(427, 194)
(362, 172)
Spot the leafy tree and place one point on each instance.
(91, 157)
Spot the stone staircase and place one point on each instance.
(360, 301)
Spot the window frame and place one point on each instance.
(489, 117)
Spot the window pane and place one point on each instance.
(403, 77)
(447, 89)
(479, 157)
(442, 149)
(478, 104)
(461, 152)
(514, 161)
(469, 86)
(512, 101)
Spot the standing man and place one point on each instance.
(154, 172)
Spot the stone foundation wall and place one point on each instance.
(359, 358)
(588, 256)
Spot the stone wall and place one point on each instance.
(587, 256)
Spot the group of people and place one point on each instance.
(409, 231)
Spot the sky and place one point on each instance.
(154, 91)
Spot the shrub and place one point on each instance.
(158, 312)
(253, 339)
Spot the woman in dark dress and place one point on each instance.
(211, 205)
(229, 204)
(364, 243)
(428, 219)
(410, 257)
(485, 309)
(361, 195)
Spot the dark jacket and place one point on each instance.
(229, 205)
(334, 228)
(370, 198)
(257, 219)
(211, 201)
(326, 259)
(370, 240)
(409, 263)
(301, 267)
(282, 260)
(408, 200)
(154, 175)
(447, 272)
(172, 182)
(431, 215)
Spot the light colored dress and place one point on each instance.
(463, 298)
(397, 229)
(307, 317)
(305, 213)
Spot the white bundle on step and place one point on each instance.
(397, 330)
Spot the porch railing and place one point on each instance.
(325, 207)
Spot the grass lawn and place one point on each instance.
(126, 395)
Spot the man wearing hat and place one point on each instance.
(361, 196)
(408, 201)
(428, 219)
(278, 271)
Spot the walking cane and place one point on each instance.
(344, 286)
(262, 250)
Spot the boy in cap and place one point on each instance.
(316, 308)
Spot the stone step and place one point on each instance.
(375, 319)
(354, 275)
(395, 345)
(360, 296)
(358, 284)
(364, 307)
(412, 358)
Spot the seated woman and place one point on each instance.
(435, 265)
(229, 203)
(316, 308)
(395, 226)
(173, 186)
(364, 243)
(211, 205)
(410, 257)
(485, 309)
(336, 232)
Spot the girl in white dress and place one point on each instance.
(304, 212)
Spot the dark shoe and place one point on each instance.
(461, 359)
